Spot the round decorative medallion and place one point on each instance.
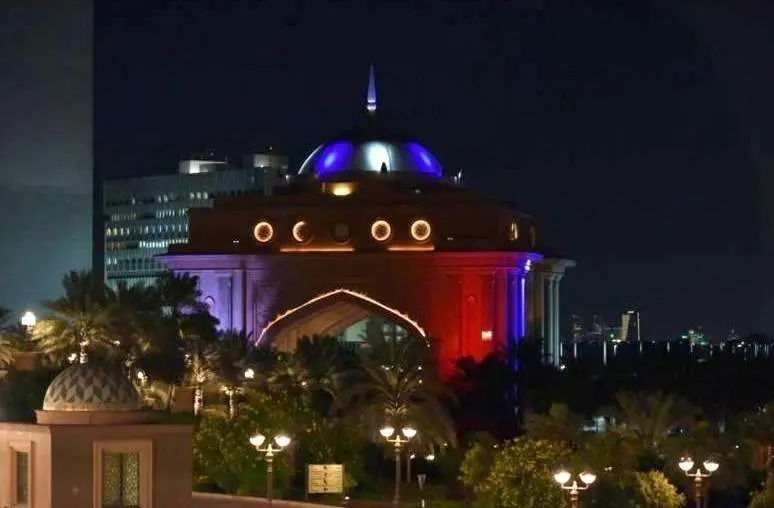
(381, 231)
(341, 232)
(420, 230)
(301, 232)
(263, 232)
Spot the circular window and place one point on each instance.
(341, 232)
(381, 230)
(263, 232)
(301, 232)
(420, 230)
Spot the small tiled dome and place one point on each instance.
(91, 387)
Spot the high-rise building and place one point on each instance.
(46, 53)
(144, 216)
(630, 326)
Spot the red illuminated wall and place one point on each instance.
(453, 296)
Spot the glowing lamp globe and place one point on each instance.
(588, 478)
(686, 464)
(711, 465)
(257, 440)
(430, 458)
(409, 432)
(562, 477)
(249, 374)
(387, 432)
(282, 440)
(29, 319)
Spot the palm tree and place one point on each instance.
(81, 320)
(653, 417)
(312, 372)
(234, 352)
(9, 340)
(559, 424)
(200, 350)
(136, 320)
(398, 383)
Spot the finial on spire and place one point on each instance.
(371, 97)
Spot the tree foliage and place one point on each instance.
(520, 476)
(656, 491)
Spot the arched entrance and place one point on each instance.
(330, 314)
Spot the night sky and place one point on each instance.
(618, 128)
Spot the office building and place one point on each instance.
(144, 216)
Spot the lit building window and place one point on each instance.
(301, 232)
(120, 479)
(420, 230)
(342, 188)
(513, 231)
(263, 232)
(381, 230)
(21, 478)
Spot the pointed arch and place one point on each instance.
(352, 306)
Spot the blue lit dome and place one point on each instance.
(373, 150)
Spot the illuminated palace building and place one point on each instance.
(370, 233)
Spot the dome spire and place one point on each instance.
(371, 96)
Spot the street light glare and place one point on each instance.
(430, 457)
(249, 374)
(409, 432)
(29, 319)
(282, 440)
(711, 465)
(588, 478)
(257, 440)
(562, 477)
(387, 431)
(686, 464)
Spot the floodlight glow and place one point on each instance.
(377, 155)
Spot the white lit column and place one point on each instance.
(557, 339)
(549, 299)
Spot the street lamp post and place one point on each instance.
(574, 489)
(397, 441)
(686, 464)
(281, 440)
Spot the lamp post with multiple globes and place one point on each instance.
(686, 465)
(281, 440)
(574, 489)
(397, 441)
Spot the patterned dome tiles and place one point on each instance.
(91, 387)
